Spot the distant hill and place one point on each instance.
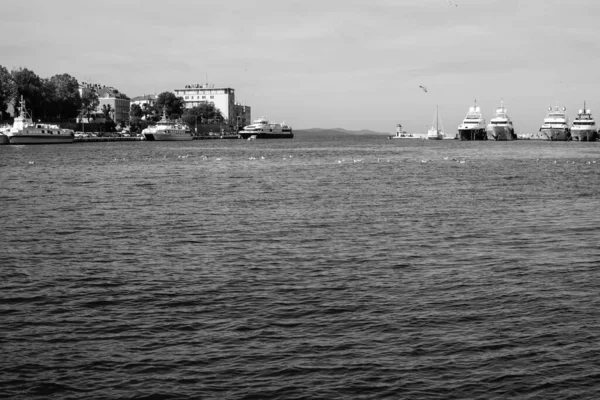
(336, 131)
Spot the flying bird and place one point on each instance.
(424, 88)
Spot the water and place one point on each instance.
(346, 267)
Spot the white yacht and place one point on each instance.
(165, 130)
(556, 124)
(583, 127)
(501, 126)
(436, 132)
(262, 129)
(473, 126)
(25, 131)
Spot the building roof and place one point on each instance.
(145, 97)
(206, 86)
(103, 90)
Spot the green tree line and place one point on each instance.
(49, 99)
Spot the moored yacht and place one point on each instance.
(165, 130)
(583, 127)
(25, 131)
(436, 132)
(501, 126)
(556, 124)
(262, 129)
(473, 126)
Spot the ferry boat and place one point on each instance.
(473, 126)
(165, 130)
(556, 124)
(436, 132)
(501, 126)
(583, 127)
(400, 134)
(25, 131)
(262, 129)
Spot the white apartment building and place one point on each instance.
(148, 99)
(223, 98)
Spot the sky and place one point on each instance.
(329, 64)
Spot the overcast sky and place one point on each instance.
(351, 64)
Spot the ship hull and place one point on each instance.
(556, 134)
(263, 135)
(472, 134)
(500, 133)
(152, 137)
(587, 135)
(40, 139)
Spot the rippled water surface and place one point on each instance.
(346, 267)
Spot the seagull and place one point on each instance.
(424, 88)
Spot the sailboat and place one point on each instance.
(436, 132)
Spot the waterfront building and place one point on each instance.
(243, 116)
(148, 99)
(109, 96)
(223, 98)
(118, 102)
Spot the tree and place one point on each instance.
(135, 111)
(108, 111)
(147, 110)
(6, 90)
(89, 102)
(204, 113)
(28, 85)
(65, 96)
(170, 104)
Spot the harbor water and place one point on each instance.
(313, 268)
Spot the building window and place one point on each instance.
(203, 97)
(212, 97)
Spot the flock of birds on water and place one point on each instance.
(353, 160)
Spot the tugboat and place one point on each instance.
(473, 126)
(583, 127)
(25, 131)
(501, 126)
(556, 124)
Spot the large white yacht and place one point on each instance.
(165, 130)
(262, 129)
(25, 131)
(436, 132)
(473, 126)
(583, 127)
(501, 126)
(556, 124)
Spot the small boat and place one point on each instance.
(436, 132)
(262, 129)
(556, 124)
(25, 131)
(501, 126)
(583, 127)
(473, 126)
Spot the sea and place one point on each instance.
(323, 267)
